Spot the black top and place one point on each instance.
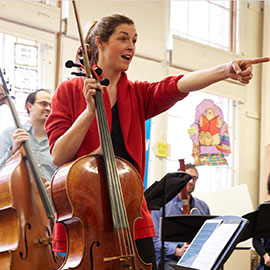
(262, 245)
(117, 137)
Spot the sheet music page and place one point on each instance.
(197, 243)
(213, 246)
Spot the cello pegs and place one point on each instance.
(98, 71)
(105, 82)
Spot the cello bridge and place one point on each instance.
(120, 258)
(45, 241)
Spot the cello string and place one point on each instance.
(106, 155)
(116, 188)
(111, 174)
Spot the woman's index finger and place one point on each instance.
(259, 60)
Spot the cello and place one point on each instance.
(26, 210)
(98, 198)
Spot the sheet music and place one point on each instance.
(214, 245)
(208, 244)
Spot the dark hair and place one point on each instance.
(31, 98)
(191, 166)
(268, 184)
(103, 28)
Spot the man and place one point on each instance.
(175, 250)
(38, 106)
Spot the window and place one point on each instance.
(180, 118)
(20, 58)
(205, 21)
(49, 2)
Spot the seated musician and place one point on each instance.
(175, 250)
(38, 107)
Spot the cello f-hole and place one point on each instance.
(27, 226)
(50, 244)
(95, 243)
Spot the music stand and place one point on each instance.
(161, 192)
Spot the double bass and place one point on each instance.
(26, 210)
(98, 198)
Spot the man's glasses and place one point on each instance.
(44, 104)
(195, 178)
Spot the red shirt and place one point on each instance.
(137, 102)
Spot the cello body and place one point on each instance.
(81, 200)
(25, 231)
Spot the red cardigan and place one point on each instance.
(137, 102)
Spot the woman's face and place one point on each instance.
(119, 50)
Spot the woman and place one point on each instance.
(262, 245)
(72, 129)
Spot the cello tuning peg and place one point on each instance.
(105, 82)
(81, 60)
(98, 71)
(78, 74)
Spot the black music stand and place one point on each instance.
(161, 192)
